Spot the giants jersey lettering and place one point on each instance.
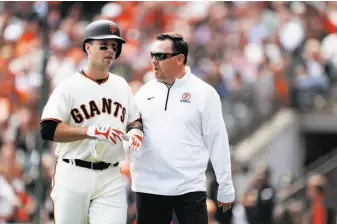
(90, 110)
(82, 102)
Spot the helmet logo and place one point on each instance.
(112, 28)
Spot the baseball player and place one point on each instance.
(88, 115)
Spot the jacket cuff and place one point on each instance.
(226, 198)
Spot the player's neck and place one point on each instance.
(95, 73)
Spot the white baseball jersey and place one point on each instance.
(183, 128)
(82, 102)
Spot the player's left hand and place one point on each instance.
(225, 206)
(134, 138)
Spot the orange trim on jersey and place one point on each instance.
(50, 119)
(99, 83)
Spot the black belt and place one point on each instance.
(92, 165)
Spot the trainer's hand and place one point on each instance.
(134, 138)
(109, 134)
(225, 206)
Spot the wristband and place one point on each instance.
(128, 128)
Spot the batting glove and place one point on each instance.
(134, 138)
(109, 134)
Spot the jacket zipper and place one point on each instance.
(168, 93)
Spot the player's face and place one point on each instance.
(164, 64)
(102, 52)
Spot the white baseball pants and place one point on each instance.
(83, 196)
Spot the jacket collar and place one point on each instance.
(183, 79)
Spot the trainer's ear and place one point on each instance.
(181, 59)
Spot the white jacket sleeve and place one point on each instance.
(216, 140)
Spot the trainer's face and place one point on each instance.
(164, 66)
(102, 52)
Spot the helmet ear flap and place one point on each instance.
(119, 50)
(89, 41)
(83, 47)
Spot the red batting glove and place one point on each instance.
(135, 139)
(109, 134)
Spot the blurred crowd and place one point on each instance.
(259, 56)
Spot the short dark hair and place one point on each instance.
(179, 45)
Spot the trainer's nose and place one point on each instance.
(154, 61)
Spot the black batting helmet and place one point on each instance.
(103, 29)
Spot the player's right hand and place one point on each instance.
(109, 134)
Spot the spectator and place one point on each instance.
(259, 199)
(9, 201)
(320, 212)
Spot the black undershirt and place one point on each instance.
(47, 129)
(100, 80)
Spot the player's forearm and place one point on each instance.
(67, 133)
